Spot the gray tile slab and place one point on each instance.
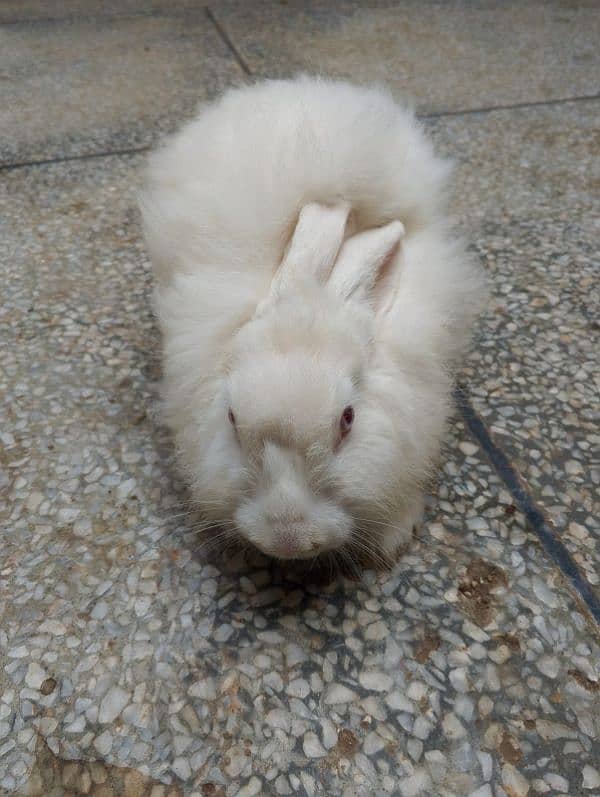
(441, 56)
(539, 162)
(124, 643)
(534, 375)
(93, 84)
(527, 195)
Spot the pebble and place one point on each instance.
(54, 627)
(35, 675)
(464, 707)
(375, 680)
(548, 665)
(500, 654)
(557, 782)
(254, 786)
(591, 777)
(422, 728)
(294, 654)
(514, 782)
(312, 746)
(373, 743)
(299, 688)
(452, 726)
(125, 488)
(458, 679)
(103, 743)
(485, 761)
(329, 734)
(76, 726)
(365, 766)
(415, 749)
(415, 785)
(550, 730)
(181, 768)
(376, 631)
(543, 593)
(416, 690)
(282, 785)
(279, 718)
(205, 689)
(338, 693)
(397, 702)
(482, 791)
(19, 652)
(223, 633)
(274, 681)
(237, 761)
(112, 704)
(138, 714)
(486, 705)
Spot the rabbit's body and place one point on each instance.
(261, 360)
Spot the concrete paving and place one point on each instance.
(134, 662)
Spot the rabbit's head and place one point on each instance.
(301, 425)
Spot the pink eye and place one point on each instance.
(346, 420)
(231, 417)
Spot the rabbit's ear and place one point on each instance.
(367, 269)
(313, 248)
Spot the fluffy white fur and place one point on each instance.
(375, 322)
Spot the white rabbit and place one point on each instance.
(308, 359)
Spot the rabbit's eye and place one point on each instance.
(231, 417)
(346, 420)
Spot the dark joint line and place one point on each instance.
(551, 542)
(509, 106)
(227, 42)
(66, 158)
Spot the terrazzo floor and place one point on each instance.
(136, 661)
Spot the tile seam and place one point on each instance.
(550, 539)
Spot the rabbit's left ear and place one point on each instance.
(367, 269)
(313, 248)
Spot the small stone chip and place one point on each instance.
(347, 742)
(48, 686)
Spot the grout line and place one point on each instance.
(510, 106)
(550, 540)
(66, 158)
(227, 41)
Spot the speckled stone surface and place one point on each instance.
(84, 85)
(125, 645)
(133, 660)
(442, 56)
(527, 192)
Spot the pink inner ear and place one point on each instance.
(346, 421)
(366, 266)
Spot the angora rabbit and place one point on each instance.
(313, 303)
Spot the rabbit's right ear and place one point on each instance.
(313, 248)
(367, 268)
